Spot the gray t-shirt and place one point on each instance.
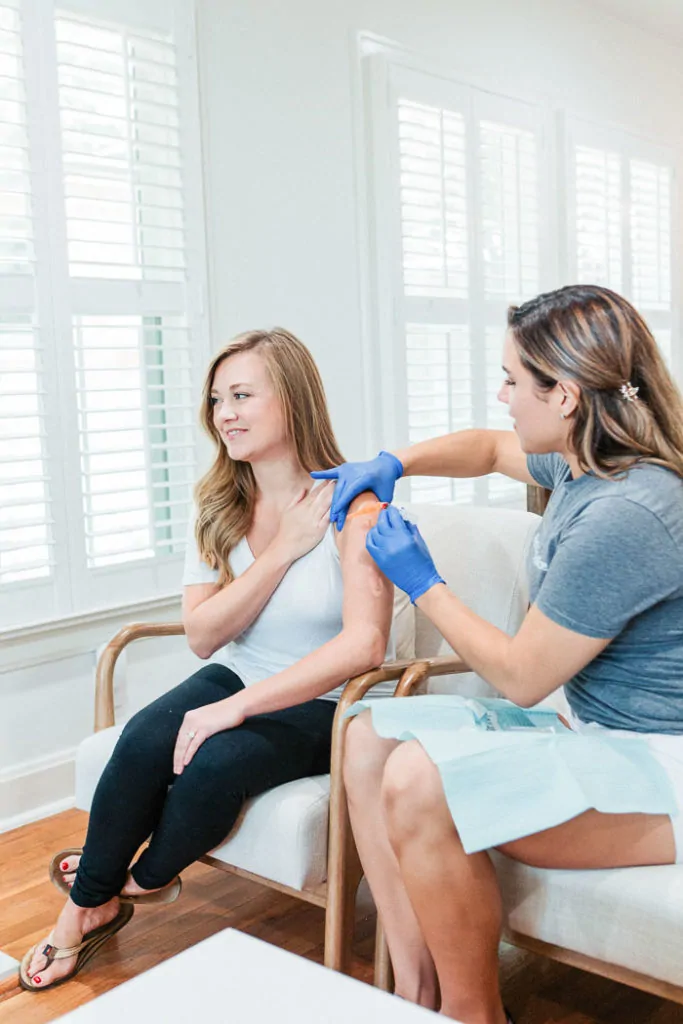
(607, 561)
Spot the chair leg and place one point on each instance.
(340, 916)
(384, 975)
(344, 870)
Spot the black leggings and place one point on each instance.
(133, 798)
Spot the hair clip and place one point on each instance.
(628, 392)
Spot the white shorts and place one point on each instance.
(668, 751)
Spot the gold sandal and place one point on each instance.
(168, 894)
(84, 951)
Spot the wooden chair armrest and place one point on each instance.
(104, 675)
(408, 673)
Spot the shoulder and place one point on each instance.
(629, 526)
(195, 569)
(549, 469)
(645, 494)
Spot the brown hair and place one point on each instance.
(594, 337)
(225, 497)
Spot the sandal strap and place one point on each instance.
(52, 953)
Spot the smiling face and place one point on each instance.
(536, 414)
(246, 409)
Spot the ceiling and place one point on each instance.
(659, 17)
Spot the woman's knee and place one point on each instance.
(365, 753)
(412, 790)
(145, 740)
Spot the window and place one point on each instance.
(101, 326)
(620, 220)
(471, 211)
(458, 239)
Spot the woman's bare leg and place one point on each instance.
(364, 760)
(456, 896)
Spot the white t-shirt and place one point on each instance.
(303, 613)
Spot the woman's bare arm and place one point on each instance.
(213, 615)
(361, 644)
(525, 668)
(467, 453)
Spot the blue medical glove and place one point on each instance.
(379, 475)
(401, 553)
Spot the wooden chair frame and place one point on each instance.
(338, 894)
(383, 972)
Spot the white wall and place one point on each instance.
(47, 686)
(277, 84)
(284, 240)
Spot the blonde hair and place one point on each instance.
(594, 337)
(225, 497)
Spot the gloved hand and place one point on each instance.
(401, 553)
(378, 475)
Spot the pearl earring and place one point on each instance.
(563, 415)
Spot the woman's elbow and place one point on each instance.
(369, 648)
(200, 648)
(198, 643)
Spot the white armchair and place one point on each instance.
(296, 837)
(625, 924)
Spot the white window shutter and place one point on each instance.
(102, 330)
(118, 98)
(433, 200)
(26, 549)
(466, 182)
(620, 220)
(136, 432)
(599, 241)
(125, 205)
(508, 169)
(26, 542)
(650, 229)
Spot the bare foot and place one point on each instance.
(69, 866)
(131, 888)
(73, 923)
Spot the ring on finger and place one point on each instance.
(191, 733)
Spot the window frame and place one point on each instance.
(74, 589)
(579, 131)
(378, 60)
(385, 71)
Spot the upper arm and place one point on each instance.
(368, 594)
(545, 656)
(509, 458)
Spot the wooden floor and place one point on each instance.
(537, 991)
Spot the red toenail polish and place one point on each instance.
(37, 981)
(65, 865)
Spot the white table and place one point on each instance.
(234, 977)
(8, 966)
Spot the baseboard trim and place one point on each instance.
(36, 814)
(37, 789)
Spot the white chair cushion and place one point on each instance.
(631, 917)
(403, 626)
(281, 835)
(481, 553)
